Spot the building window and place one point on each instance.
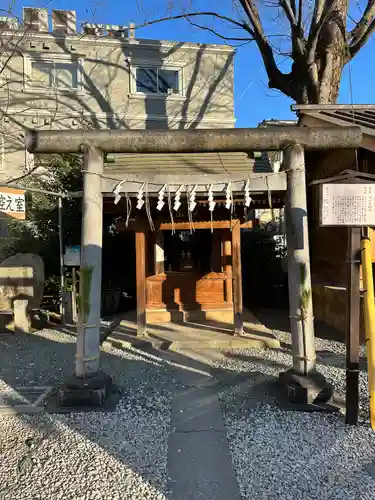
(157, 81)
(62, 75)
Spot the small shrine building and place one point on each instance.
(187, 212)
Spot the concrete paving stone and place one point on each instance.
(200, 467)
(199, 462)
(196, 409)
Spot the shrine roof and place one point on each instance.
(182, 165)
(224, 166)
(343, 115)
(185, 169)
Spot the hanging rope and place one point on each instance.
(140, 200)
(128, 208)
(231, 209)
(229, 201)
(247, 197)
(269, 194)
(170, 209)
(211, 206)
(177, 197)
(191, 205)
(190, 193)
(148, 210)
(218, 183)
(353, 111)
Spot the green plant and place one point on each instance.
(305, 292)
(39, 233)
(83, 299)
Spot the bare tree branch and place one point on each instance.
(356, 47)
(285, 4)
(223, 37)
(297, 35)
(192, 14)
(300, 15)
(293, 7)
(316, 17)
(277, 79)
(363, 29)
(364, 23)
(13, 51)
(320, 20)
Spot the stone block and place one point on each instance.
(21, 278)
(21, 317)
(92, 391)
(306, 390)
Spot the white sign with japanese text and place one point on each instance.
(12, 203)
(347, 204)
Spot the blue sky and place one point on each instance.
(254, 101)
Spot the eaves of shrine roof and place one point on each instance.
(342, 115)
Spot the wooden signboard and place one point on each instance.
(12, 203)
(350, 203)
(347, 204)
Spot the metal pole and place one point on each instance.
(369, 313)
(61, 248)
(300, 303)
(353, 322)
(193, 141)
(74, 294)
(88, 341)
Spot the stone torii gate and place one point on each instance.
(303, 381)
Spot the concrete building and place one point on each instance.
(54, 75)
(105, 78)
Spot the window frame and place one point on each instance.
(54, 59)
(161, 66)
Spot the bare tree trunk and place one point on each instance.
(318, 62)
(332, 53)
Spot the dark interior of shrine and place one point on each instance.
(188, 251)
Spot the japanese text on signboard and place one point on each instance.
(12, 203)
(347, 205)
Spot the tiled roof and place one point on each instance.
(199, 169)
(181, 165)
(362, 115)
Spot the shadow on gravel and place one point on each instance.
(147, 379)
(278, 319)
(147, 386)
(248, 357)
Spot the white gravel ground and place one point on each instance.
(123, 455)
(120, 455)
(287, 455)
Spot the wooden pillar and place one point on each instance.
(353, 326)
(159, 252)
(227, 265)
(140, 251)
(237, 279)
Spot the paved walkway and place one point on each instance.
(199, 461)
(190, 335)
